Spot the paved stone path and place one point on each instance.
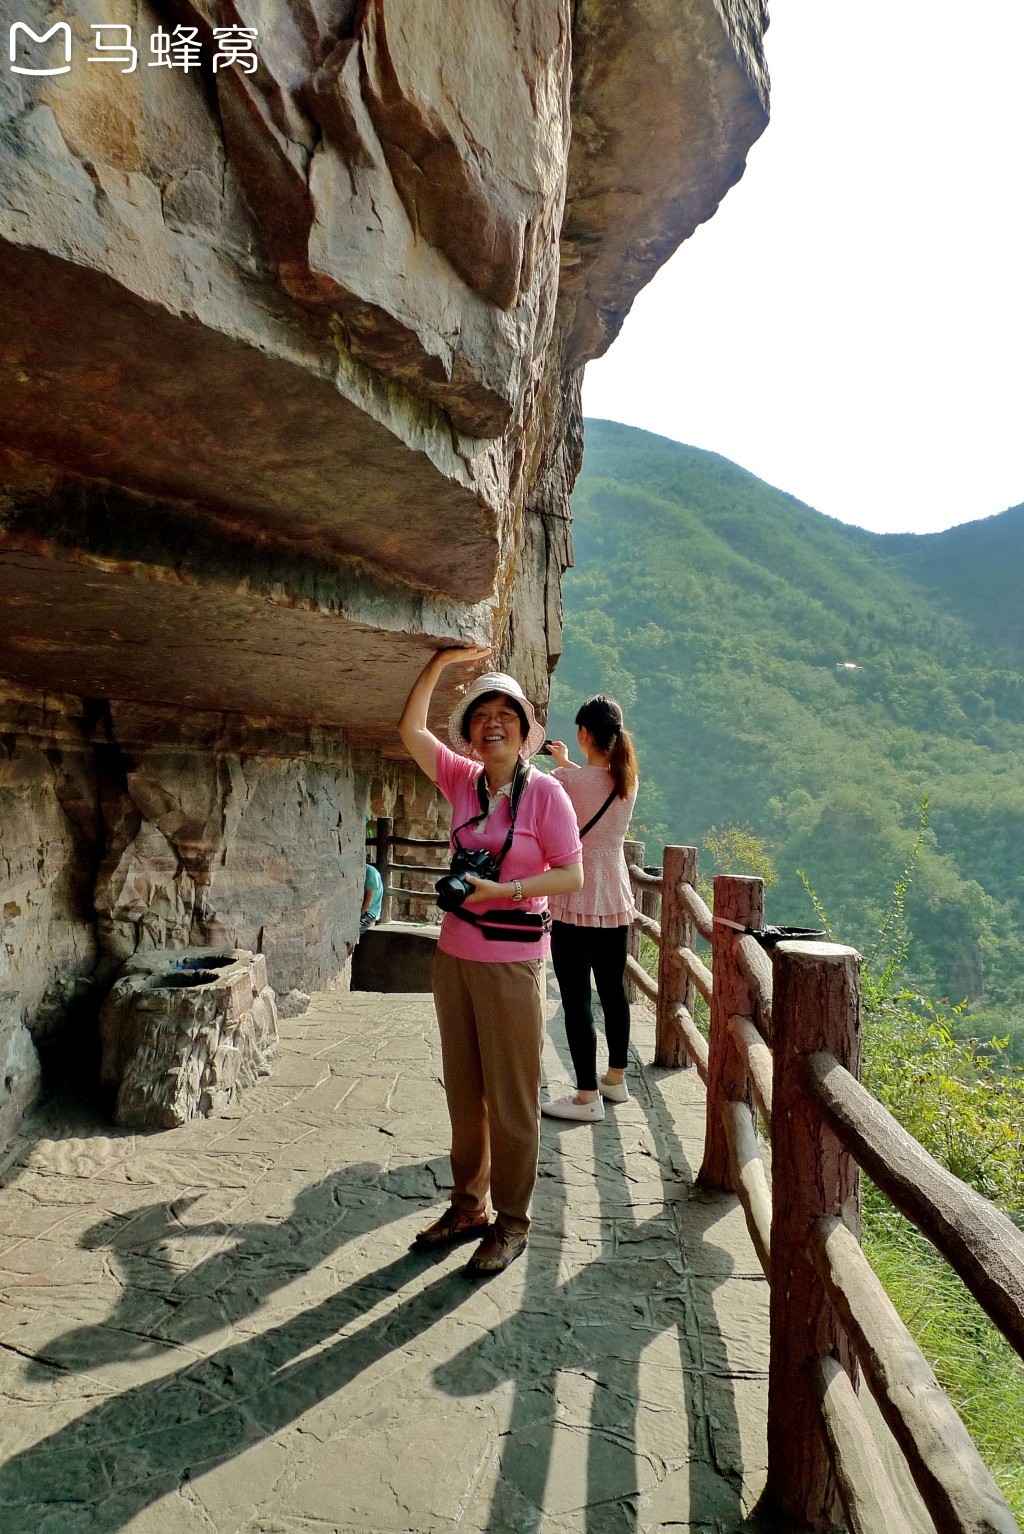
(222, 1327)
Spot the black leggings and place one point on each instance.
(575, 951)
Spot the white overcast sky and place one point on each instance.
(850, 324)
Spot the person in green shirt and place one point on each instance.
(373, 897)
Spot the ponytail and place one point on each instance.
(622, 764)
(602, 716)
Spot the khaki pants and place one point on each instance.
(491, 1018)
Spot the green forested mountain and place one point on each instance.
(813, 681)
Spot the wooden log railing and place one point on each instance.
(783, 1046)
(672, 894)
(381, 842)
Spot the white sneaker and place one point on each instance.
(566, 1108)
(616, 1092)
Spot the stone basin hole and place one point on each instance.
(216, 961)
(190, 977)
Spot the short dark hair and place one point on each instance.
(489, 697)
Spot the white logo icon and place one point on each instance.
(21, 26)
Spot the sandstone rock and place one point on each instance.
(686, 76)
(284, 310)
(234, 835)
(292, 1004)
(48, 818)
(125, 830)
(20, 1076)
(473, 160)
(183, 1032)
(289, 397)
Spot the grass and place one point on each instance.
(974, 1364)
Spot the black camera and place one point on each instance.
(453, 888)
(545, 749)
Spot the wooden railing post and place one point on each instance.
(739, 901)
(649, 901)
(815, 1006)
(385, 836)
(677, 931)
(634, 854)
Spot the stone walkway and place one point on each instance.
(222, 1327)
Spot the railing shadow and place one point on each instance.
(574, 1350)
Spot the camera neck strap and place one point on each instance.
(519, 781)
(503, 926)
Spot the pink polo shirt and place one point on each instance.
(546, 836)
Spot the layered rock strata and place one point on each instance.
(297, 298)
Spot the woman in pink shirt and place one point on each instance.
(488, 971)
(591, 925)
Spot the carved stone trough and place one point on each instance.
(183, 1032)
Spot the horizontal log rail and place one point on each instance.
(641, 979)
(865, 1486)
(649, 927)
(756, 968)
(641, 879)
(697, 971)
(980, 1242)
(749, 1179)
(694, 1042)
(954, 1482)
(410, 841)
(759, 1062)
(383, 841)
(698, 912)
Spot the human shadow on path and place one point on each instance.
(104, 1468)
(162, 1303)
(594, 1328)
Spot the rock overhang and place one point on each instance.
(668, 97)
(268, 446)
(317, 319)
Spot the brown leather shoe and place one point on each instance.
(454, 1225)
(497, 1251)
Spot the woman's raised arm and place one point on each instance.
(420, 742)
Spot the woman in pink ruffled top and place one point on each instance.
(591, 925)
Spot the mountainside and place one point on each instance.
(975, 570)
(813, 681)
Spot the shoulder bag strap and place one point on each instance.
(592, 822)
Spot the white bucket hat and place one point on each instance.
(495, 681)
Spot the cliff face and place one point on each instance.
(289, 366)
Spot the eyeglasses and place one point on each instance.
(502, 716)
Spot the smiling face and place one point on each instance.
(496, 731)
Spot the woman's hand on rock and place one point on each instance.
(461, 655)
